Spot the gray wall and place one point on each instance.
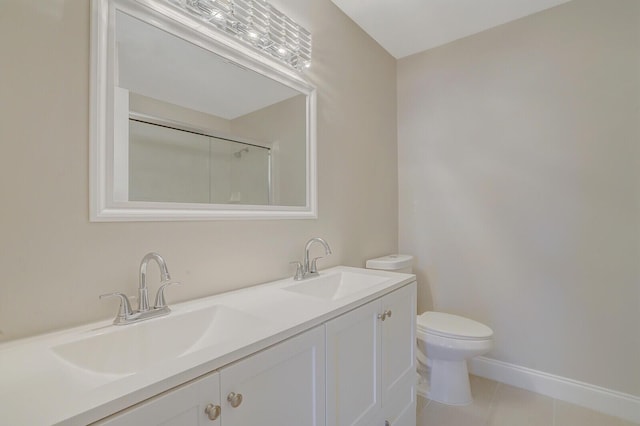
(55, 263)
(519, 187)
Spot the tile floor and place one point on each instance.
(497, 404)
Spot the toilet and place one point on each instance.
(444, 343)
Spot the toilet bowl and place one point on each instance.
(444, 344)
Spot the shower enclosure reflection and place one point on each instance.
(182, 165)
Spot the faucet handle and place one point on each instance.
(124, 311)
(160, 300)
(299, 270)
(313, 268)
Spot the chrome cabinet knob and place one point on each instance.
(235, 399)
(212, 411)
(386, 314)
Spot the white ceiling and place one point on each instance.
(405, 27)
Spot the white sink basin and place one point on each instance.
(334, 286)
(131, 348)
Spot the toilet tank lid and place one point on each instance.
(449, 325)
(391, 262)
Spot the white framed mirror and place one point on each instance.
(189, 124)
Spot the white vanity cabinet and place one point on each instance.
(281, 385)
(334, 349)
(371, 363)
(355, 369)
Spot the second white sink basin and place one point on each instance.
(334, 286)
(128, 349)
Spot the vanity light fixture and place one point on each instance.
(256, 23)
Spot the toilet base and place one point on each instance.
(449, 382)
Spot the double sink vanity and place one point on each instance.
(333, 349)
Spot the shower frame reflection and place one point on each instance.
(237, 148)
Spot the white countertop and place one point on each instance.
(37, 387)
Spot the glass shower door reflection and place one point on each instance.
(179, 166)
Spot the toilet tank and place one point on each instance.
(393, 263)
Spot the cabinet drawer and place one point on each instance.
(185, 405)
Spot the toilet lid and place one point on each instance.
(453, 326)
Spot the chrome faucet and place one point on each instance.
(310, 267)
(143, 294)
(125, 314)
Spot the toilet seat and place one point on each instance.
(452, 326)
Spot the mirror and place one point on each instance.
(189, 124)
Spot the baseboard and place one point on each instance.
(594, 397)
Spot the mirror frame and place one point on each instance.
(161, 14)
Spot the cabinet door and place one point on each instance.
(353, 389)
(398, 341)
(407, 416)
(186, 405)
(400, 410)
(282, 385)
